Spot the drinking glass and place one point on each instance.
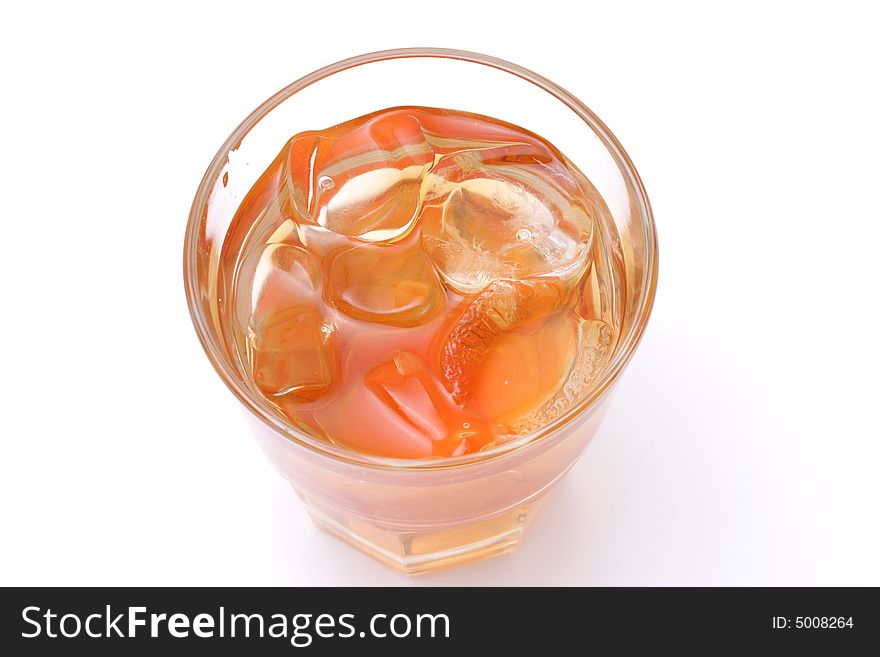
(419, 515)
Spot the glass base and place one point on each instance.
(416, 552)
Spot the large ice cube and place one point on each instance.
(400, 410)
(361, 179)
(594, 346)
(405, 384)
(290, 343)
(524, 368)
(483, 321)
(293, 355)
(393, 285)
(504, 212)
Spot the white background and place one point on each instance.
(742, 444)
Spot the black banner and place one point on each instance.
(416, 621)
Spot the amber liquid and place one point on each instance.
(421, 282)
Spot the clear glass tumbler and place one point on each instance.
(419, 515)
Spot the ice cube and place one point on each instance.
(293, 354)
(393, 285)
(289, 342)
(483, 323)
(406, 385)
(359, 420)
(504, 212)
(524, 367)
(508, 354)
(601, 296)
(285, 276)
(361, 179)
(594, 346)
(415, 414)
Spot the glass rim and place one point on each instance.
(611, 372)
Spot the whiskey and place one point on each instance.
(421, 282)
